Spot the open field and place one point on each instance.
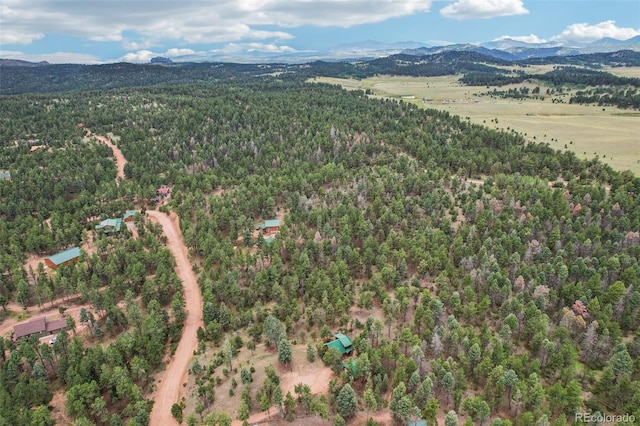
(611, 133)
(623, 71)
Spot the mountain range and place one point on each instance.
(506, 49)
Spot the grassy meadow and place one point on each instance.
(611, 133)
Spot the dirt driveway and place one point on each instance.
(120, 160)
(171, 380)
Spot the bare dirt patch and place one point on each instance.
(314, 374)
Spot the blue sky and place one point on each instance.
(96, 31)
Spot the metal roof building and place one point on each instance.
(342, 343)
(109, 225)
(63, 258)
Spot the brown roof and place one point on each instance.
(56, 325)
(37, 325)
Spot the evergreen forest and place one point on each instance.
(499, 278)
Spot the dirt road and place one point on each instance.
(120, 160)
(171, 380)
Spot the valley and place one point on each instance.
(609, 133)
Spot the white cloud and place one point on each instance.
(19, 34)
(145, 55)
(584, 32)
(256, 47)
(231, 51)
(173, 52)
(137, 45)
(16, 37)
(52, 58)
(141, 56)
(190, 21)
(531, 38)
(483, 9)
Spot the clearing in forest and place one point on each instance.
(587, 130)
(314, 374)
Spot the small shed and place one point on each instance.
(342, 343)
(109, 226)
(63, 258)
(4, 175)
(271, 225)
(417, 423)
(129, 215)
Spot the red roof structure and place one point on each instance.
(164, 190)
(56, 325)
(37, 325)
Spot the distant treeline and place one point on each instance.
(478, 69)
(622, 98)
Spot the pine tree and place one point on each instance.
(311, 353)
(347, 401)
(370, 400)
(285, 354)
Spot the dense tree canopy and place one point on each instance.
(490, 265)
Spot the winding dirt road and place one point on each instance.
(117, 154)
(170, 383)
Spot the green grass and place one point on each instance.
(610, 133)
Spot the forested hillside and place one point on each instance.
(476, 69)
(499, 278)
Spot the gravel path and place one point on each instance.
(171, 380)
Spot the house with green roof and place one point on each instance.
(271, 225)
(129, 215)
(109, 226)
(342, 343)
(63, 258)
(352, 367)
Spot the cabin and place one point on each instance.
(38, 326)
(129, 216)
(164, 190)
(269, 226)
(109, 226)
(63, 258)
(342, 343)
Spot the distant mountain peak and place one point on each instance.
(21, 63)
(160, 60)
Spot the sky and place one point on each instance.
(102, 31)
